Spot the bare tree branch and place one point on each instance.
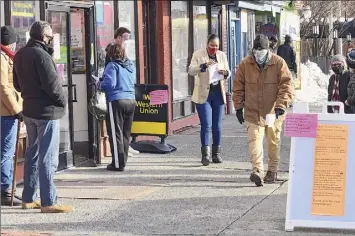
(321, 11)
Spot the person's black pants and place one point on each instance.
(118, 123)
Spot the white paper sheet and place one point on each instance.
(270, 120)
(27, 36)
(214, 75)
(56, 46)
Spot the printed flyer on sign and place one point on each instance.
(329, 177)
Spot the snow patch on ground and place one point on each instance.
(314, 84)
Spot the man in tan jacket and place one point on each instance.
(262, 86)
(11, 107)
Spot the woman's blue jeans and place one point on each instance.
(210, 114)
(8, 148)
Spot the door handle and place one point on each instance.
(74, 94)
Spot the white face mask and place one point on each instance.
(260, 55)
(130, 50)
(13, 47)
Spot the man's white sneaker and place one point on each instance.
(130, 154)
(131, 150)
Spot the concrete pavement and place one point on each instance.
(168, 195)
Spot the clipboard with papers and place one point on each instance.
(214, 76)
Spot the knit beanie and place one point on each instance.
(288, 39)
(274, 38)
(350, 58)
(8, 35)
(261, 42)
(338, 59)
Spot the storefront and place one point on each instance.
(164, 34)
(82, 30)
(191, 23)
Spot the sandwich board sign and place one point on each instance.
(321, 190)
(151, 118)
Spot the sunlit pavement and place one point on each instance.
(168, 195)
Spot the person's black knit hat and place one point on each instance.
(274, 38)
(8, 35)
(261, 42)
(288, 38)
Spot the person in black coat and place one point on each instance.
(338, 84)
(350, 101)
(44, 104)
(273, 43)
(287, 52)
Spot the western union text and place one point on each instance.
(146, 108)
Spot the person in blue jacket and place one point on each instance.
(118, 83)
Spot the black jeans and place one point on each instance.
(119, 123)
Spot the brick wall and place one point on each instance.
(164, 49)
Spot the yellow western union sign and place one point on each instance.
(158, 128)
(22, 8)
(23, 14)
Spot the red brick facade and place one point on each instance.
(164, 47)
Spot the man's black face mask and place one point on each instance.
(338, 70)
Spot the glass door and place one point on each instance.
(59, 19)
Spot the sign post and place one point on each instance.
(321, 189)
(151, 118)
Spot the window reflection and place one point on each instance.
(22, 17)
(104, 30)
(127, 20)
(180, 49)
(200, 24)
(58, 22)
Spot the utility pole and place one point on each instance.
(330, 37)
(339, 41)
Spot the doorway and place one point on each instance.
(74, 47)
(235, 55)
(149, 42)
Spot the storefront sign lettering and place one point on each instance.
(146, 108)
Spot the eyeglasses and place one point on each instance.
(49, 37)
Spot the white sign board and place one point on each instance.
(321, 188)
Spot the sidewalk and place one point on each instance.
(168, 195)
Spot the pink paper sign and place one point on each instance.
(60, 70)
(158, 97)
(301, 125)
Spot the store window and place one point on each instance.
(126, 15)
(23, 15)
(180, 49)
(216, 21)
(2, 14)
(104, 30)
(200, 24)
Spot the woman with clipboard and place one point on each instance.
(210, 68)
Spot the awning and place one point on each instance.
(259, 6)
